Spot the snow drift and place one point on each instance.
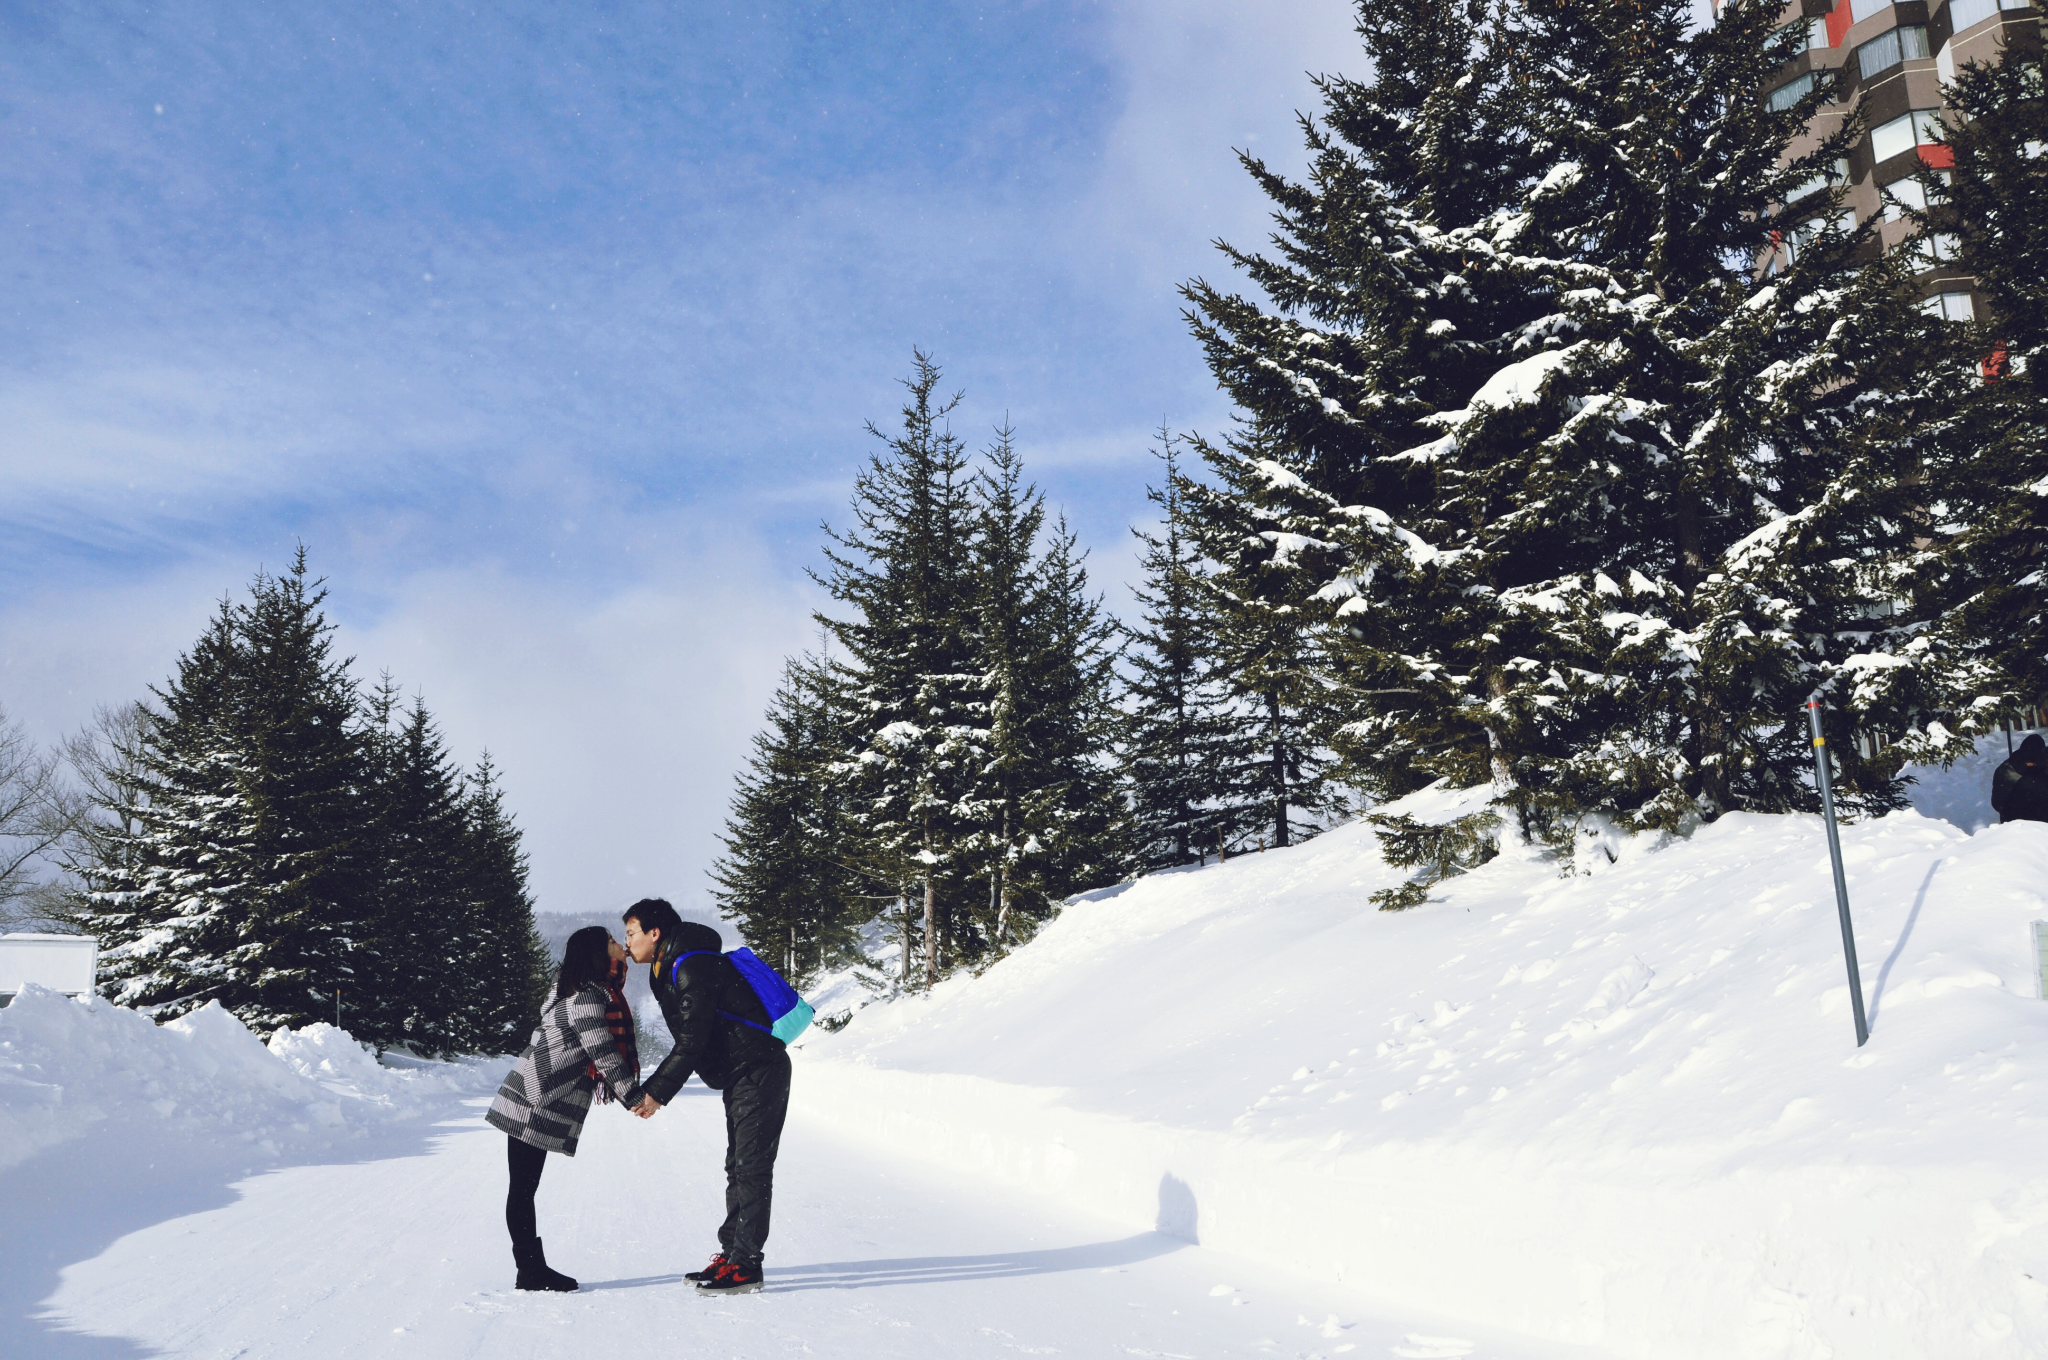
(68, 1066)
(1623, 1108)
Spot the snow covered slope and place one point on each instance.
(1623, 1109)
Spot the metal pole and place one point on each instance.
(1827, 809)
(337, 1008)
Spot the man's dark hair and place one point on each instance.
(2032, 752)
(654, 913)
(587, 958)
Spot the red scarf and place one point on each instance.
(618, 1018)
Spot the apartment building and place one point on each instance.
(1890, 60)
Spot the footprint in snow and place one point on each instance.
(1433, 1347)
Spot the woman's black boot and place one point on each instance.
(534, 1272)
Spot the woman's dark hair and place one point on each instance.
(654, 913)
(587, 958)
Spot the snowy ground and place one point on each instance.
(1621, 1111)
(126, 1242)
(1622, 1108)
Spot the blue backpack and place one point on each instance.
(788, 1013)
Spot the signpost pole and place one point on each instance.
(1827, 810)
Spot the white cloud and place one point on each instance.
(617, 719)
(460, 454)
(617, 716)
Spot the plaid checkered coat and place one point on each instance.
(544, 1099)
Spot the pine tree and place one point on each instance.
(294, 732)
(786, 876)
(1010, 515)
(919, 738)
(267, 838)
(1992, 475)
(1258, 602)
(1049, 816)
(1073, 810)
(1176, 738)
(426, 939)
(508, 976)
(1592, 504)
(243, 881)
(174, 895)
(1383, 315)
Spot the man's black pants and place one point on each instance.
(755, 1103)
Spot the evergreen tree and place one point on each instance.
(174, 896)
(293, 731)
(1992, 483)
(919, 736)
(1073, 809)
(427, 940)
(509, 974)
(785, 875)
(1179, 742)
(1592, 504)
(265, 838)
(1258, 602)
(1010, 515)
(1049, 816)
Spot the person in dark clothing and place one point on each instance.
(721, 1033)
(2019, 791)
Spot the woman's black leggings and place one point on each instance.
(526, 1163)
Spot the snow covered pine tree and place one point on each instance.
(1991, 475)
(240, 886)
(789, 873)
(1179, 737)
(1593, 503)
(919, 734)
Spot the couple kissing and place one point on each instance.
(720, 1010)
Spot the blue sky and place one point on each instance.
(551, 332)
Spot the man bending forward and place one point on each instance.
(721, 1033)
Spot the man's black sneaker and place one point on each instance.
(732, 1279)
(699, 1276)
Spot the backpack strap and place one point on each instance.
(741, 1019)
(675, 964)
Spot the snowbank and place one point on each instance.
(1623, 1109)
(67, 1066)
(1961, 794)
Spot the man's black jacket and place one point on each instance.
(2019, 790)
(692, 994)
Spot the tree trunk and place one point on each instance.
(1003, 905)
(1501, 764)
(931, 929)
(903, 971)
(1710, 734)
(1279, 771)
(1000, 886)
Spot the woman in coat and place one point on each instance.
(585, 1043)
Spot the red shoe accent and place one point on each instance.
(731, 1280)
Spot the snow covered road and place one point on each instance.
(401, 1252)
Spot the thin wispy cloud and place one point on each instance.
(498, 310)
